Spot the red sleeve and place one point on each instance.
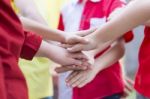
(111, 5)
(117, 4)
(61, 23)
(128, 36)
(31, 45)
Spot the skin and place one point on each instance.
(33, 21)
(133, 15)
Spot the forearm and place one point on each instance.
(99, 48)
(109, 57)
(44, 48)
(43, 30)
(147, 23)
(134, 14)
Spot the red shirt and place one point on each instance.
(109, 81)
(14, 43)
(142, 82)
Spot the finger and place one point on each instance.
(75, 80)
(77, 68)
(128, 87)
(83, 83)
(131, 82)
(74, 67)
(79, 64)
(86, 64)
(66, 45)
(77, 39)
(76, 48)
(63, 69)
(74, 62)
(74, 73)
(79, 56)
(125, 94)
(86, 32)
(80, 81)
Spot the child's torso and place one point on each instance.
(81, 17)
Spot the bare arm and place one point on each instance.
(33, 21)
(43, 30)
(110, 57)
(136, 13)
(81, 78)
(64, 57)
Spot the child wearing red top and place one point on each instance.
(16, 43)
(142, 81)
(134, 14)
(94, 13)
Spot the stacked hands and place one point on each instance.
(75, 55)
(77, 61)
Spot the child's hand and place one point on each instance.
(84, 66)
(80, 78)
(77, 37)
(64, 69)
(128, 87)
(91, 45)
(86, 32)
(62, 56)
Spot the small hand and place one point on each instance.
(63, 57)
(85, 65)
(91, 45)
(128, 87)
(80, 78)
(64, 69)
(77, 37)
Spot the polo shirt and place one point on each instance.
(94, 13)
(14, 43)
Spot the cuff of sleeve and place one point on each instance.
(31, 45)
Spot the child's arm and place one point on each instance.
(134, 14)
(59, 54)
(52, 34)
(28, 9)
(33, 45)
(81, 78)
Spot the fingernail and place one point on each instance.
(69, 49)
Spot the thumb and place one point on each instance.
(75, 62)
(86, 32)
(76, 48)
(77, 39)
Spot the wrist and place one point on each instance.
(62, 36)
(97, 67)
(95, 71)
